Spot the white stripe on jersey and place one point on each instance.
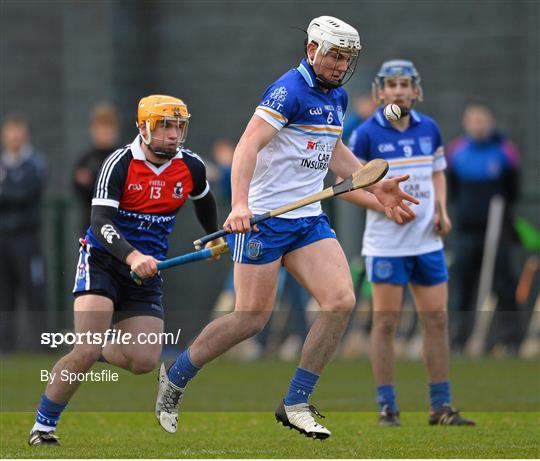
(105, 175)
(105, 202)
(192, 154)
(202, 194)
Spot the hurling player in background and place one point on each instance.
(397, 255)
(137, 195)
(289, 144)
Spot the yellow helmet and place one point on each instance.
(157, 107)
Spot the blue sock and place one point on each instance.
(439, 394)
(182, 370)
(386, 395)
(48, 412)
(301, 387)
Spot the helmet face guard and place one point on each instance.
(334, 39)
(329, 60)
(397, 69)
(163, 113)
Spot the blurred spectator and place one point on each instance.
(219, 171)
(22, 181)
(105, 136)
(361, 109)
(482, 164)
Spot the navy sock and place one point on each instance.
(301, 387)
(439, 394)
(182, 370)
(386, 395)
(48, 412)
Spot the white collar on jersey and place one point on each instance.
(138, 154)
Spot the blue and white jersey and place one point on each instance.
(309, 123)
(419, 152)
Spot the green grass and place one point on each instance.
(256, 435)
(228, 413)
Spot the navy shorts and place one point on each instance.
(425, 269)
(100, 273)
(278, 236)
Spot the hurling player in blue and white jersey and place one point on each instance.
(411, 253)
(291, 141)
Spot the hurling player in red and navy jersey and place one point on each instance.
(138, 193)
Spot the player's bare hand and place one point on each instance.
(442, 222)
(405, 215)
(214, 243)
(143, 265)
(393, 199)
(238, 220)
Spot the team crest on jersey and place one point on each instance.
(426, 145)
(339, 111)
(279, 94)
(178, 191)
(254, 249)
(81, 271)
(383, 269)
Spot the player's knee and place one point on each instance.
(86, 356)
(253, 323)
(435, 322)
(340, 301)
(142, 365)
(386, 323)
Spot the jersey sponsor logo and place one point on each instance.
(254, 249)
(320, 146)
(135, 187)
(426, 145)
(109, 233)
(383, 269)
(146, 217)
(315, 111)
(321, 163)
(386, 147)
(406, 142)
(178, 190)
(272, 104)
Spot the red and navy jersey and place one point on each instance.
(147, 196)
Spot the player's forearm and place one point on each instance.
(108, 234)
(439, 186)
(363, 199)
(206, 212)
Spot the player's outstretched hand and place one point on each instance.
(215, 243)
(393, 199)
(238, 220)
(143, 265)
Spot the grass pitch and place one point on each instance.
(228, 413)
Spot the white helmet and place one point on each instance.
(332, 33)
